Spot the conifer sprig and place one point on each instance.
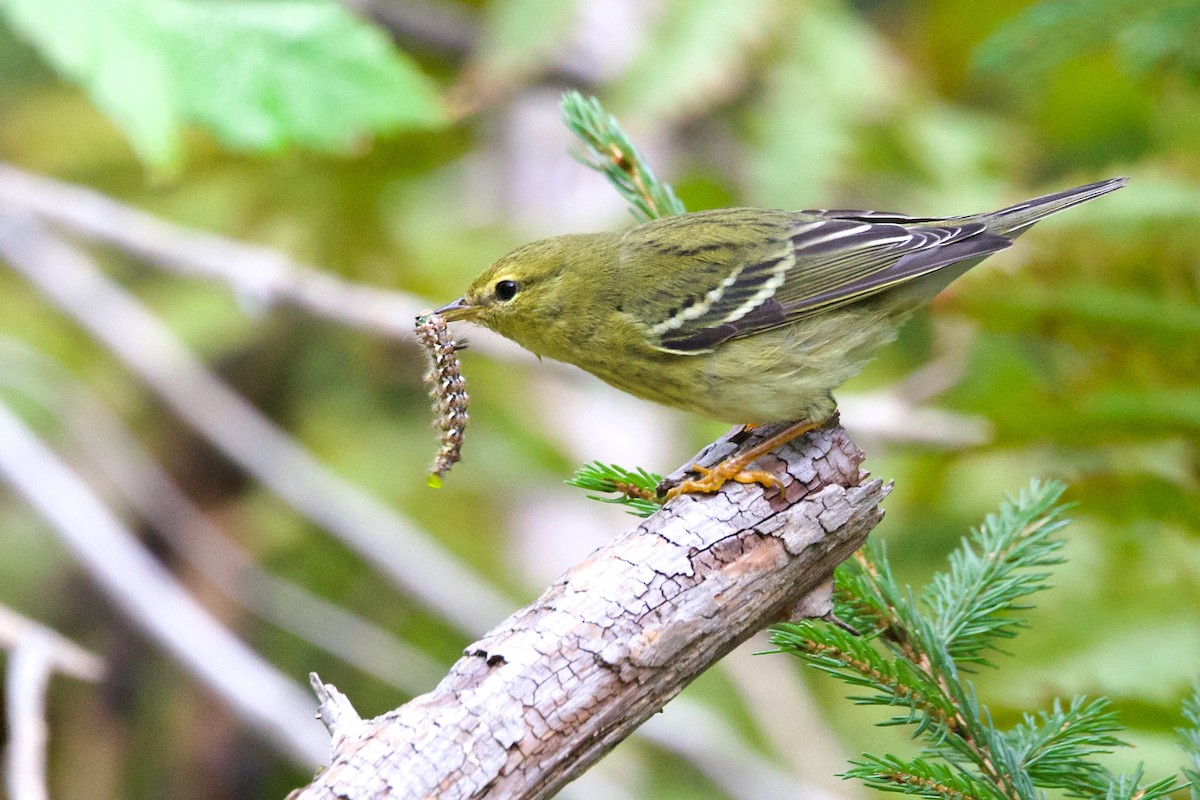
(609, 152)
(1190, 740)
(634, 489)
(920, 777)
(912, 654)
(1054, 746)
(1003, 561)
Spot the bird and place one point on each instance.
(745, 315)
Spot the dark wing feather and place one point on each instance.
(863, 263)
(743, 271)
(876, 216)
(910, 267)
(818, 264)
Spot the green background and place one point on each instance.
(1076, 352)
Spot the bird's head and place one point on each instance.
(529, 289)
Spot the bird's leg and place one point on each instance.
(734, 468)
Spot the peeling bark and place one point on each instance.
(558, 684)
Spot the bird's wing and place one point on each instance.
(819, 261)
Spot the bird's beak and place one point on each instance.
(460, 309)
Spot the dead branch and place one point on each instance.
(559, 683)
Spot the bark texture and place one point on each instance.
(562, 681)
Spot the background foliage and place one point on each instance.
(410, 164)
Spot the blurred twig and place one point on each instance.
(264, 277)
(151, 598)
(35, 653)
(890, 416)
(149, 490)
(695, 732)
(259, 276)
(790, 720)
(398, 548)
(64, 655)
(30, 664)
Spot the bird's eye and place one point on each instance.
(506, 290)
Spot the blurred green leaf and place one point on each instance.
(1145, 32)
(936, 158)
(831, 78)
(1143, 410)
(259, 75)
(696, 55)
(1020, 307)
(1132, 498)
(1159, 195)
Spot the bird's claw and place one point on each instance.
(713, 478)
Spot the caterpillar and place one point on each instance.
(447, 388)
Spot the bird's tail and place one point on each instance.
(1014, 220)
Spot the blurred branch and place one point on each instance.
(891, 417)
(35, 652)
(259, 276)
(145, 486)
(263, 277)
(151, 599)
(1147, 35)
(395, 546)
(789, 719)
(556, 686)
(63, 655)
(30, 664)
(701, 736)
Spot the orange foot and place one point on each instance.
(734, 469)
(713, 478)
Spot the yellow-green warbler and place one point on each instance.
(745, 315)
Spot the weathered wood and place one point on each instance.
(559, 683)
